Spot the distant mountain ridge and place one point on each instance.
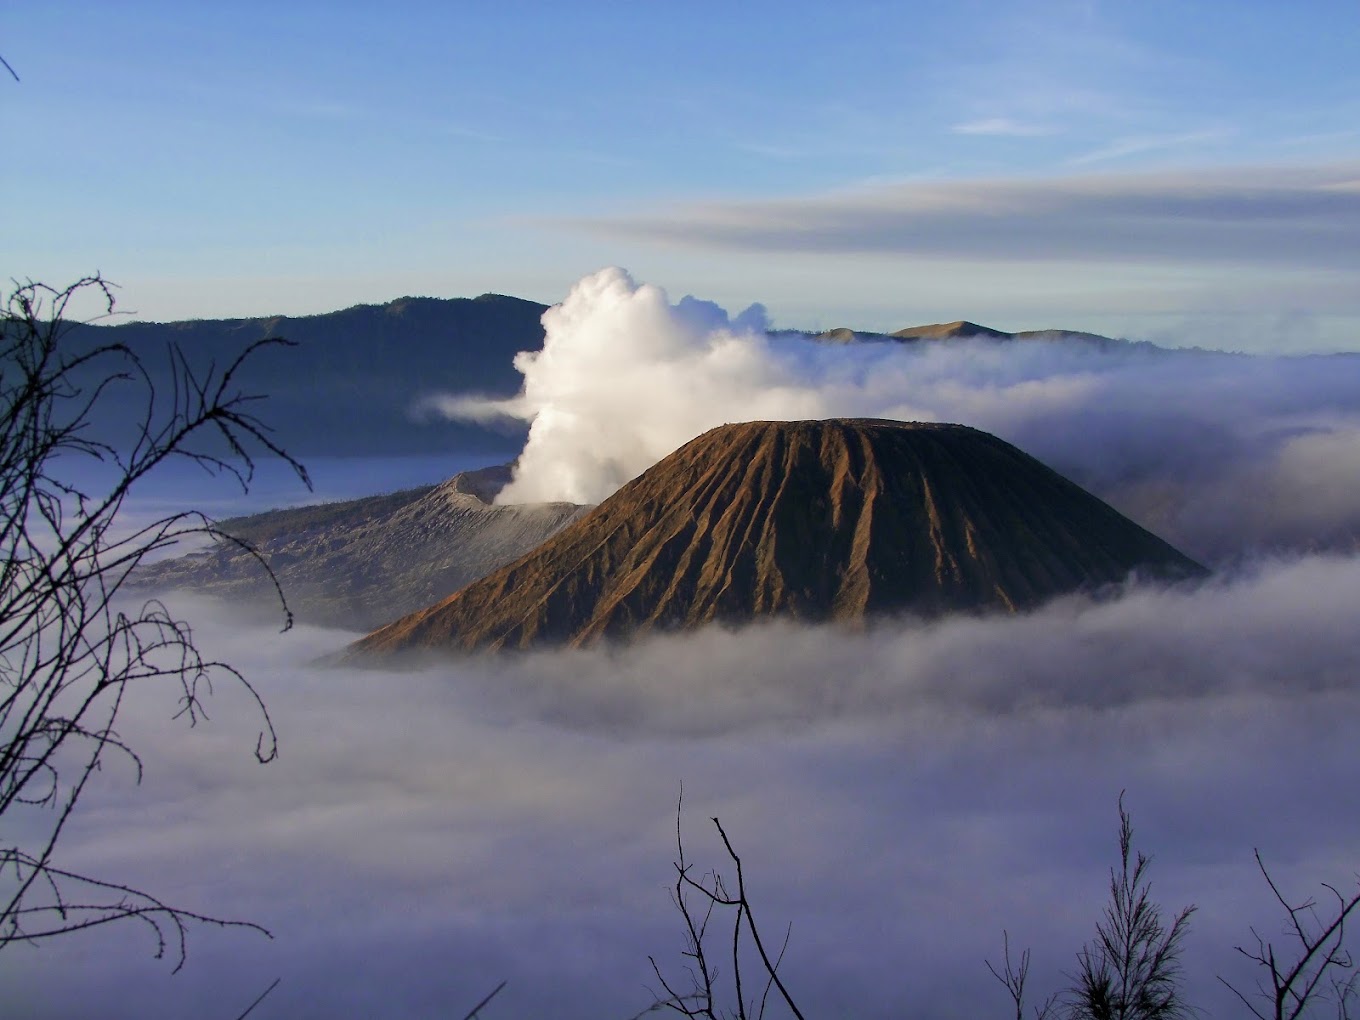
(962, 329)
(348, 386)
(816, 520)
(951, 330)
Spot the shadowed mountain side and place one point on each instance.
(839, 519)
(349, 384)
(364, 562)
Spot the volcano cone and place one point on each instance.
(814, 520)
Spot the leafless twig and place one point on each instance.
(697, 900)
(1293, 986)
(70, 646)
(1014, 976)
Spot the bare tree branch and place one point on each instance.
(70, 645)
(1013, 978)
(482, 1005)
(697, 899)
(262, 996)
(1292, 989)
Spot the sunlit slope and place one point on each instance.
(816, 520)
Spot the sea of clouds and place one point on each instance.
(900, 795)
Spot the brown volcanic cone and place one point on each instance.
(815, 520)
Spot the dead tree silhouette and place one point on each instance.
(70, 646)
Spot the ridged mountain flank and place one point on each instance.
(813, 520)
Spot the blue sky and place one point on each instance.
(1186, 172)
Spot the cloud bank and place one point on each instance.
(1221, 454)
(900, 796)
(1295, 217)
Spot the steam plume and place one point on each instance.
(1172, 438)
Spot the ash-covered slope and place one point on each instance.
(814, 520)
(365, 562)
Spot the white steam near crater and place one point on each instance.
(624, 378)
(1171, 438)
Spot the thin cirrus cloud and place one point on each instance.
(1300, 217)
(1004, 127)
(1136, 145)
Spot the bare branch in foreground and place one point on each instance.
(1013, 978)
(1293, 986)
(698, 900)
(71, 645)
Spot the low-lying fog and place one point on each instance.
(900, 796)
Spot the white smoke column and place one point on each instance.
(625, 377)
